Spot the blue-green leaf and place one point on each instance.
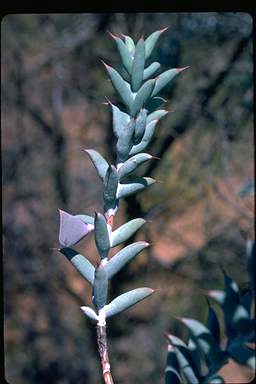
(138, 65)
(121, 86)
(126, 300)
(172, 370)
(80, 263)
(132, 163)
(101, 235)
(99, 162)
(124, 256)
(120, 120)
(142, 96)
(89, 312)
(150, 70)
(72, 229)
(124, 52)
(110, 188)
(86, 219)
(124, 142)
(156, 115)
(155, 103)
(133, 186)
(140, 125)
(129, 43)
(213, 324)
(100, 287)
(185, 360)
(164, 78)
(125, 231)
(151, 42)
(148, 134)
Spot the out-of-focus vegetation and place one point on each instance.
(53, 94)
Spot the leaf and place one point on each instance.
(172, 370)
(120, 120)
(156, 115)
(195, 355)
(72, 229)
(126, 300)
(213, 324)
(99, 162)
(124, 52)
(82, 265)
(133, 186)
(164, 78)
(101, 235)
(185, 360)
(129, 43)
(142, 96)
(100, 287)
(121, 86)
(204, 339)
(241, 354)
(151, 42)
(90, 313)
(124, 142)
(140, 125)
(150, 70)
(110, 188)
(138, 65)
(214, 379)
(125, 231)
(132, 163)
(148, 134)
(124, 256)
(217, 295)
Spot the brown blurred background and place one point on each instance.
(200, 214)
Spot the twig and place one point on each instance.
(103, 351)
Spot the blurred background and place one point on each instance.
(200, 213)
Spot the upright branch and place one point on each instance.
(134, 128)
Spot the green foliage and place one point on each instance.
(204, 346)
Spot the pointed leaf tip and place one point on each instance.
(183, 68)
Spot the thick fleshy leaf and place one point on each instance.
(156, 115)
(151, 41)
(185, 360)
(132, 163)
(99, 162)
(83, 265)
(217, 295)
(110, 187)
(133, 186)
(150, 70)
(246, 300)
(129, 43)
(138, 65)
(142, 96)
(195, 354)
(126, 300)
(204, 339)
(214, 379)
(124, 256)
(148, 134)
(120, 120)
(213, 324)
(124, 52)
(125, 231)
(101, 235)
(172, 370)
(140, 125)
(89, 312)
(121, 86)
(164, 78)
(72, 229)
(124, 142)
(100, 287)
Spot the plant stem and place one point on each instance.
(103, 351)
